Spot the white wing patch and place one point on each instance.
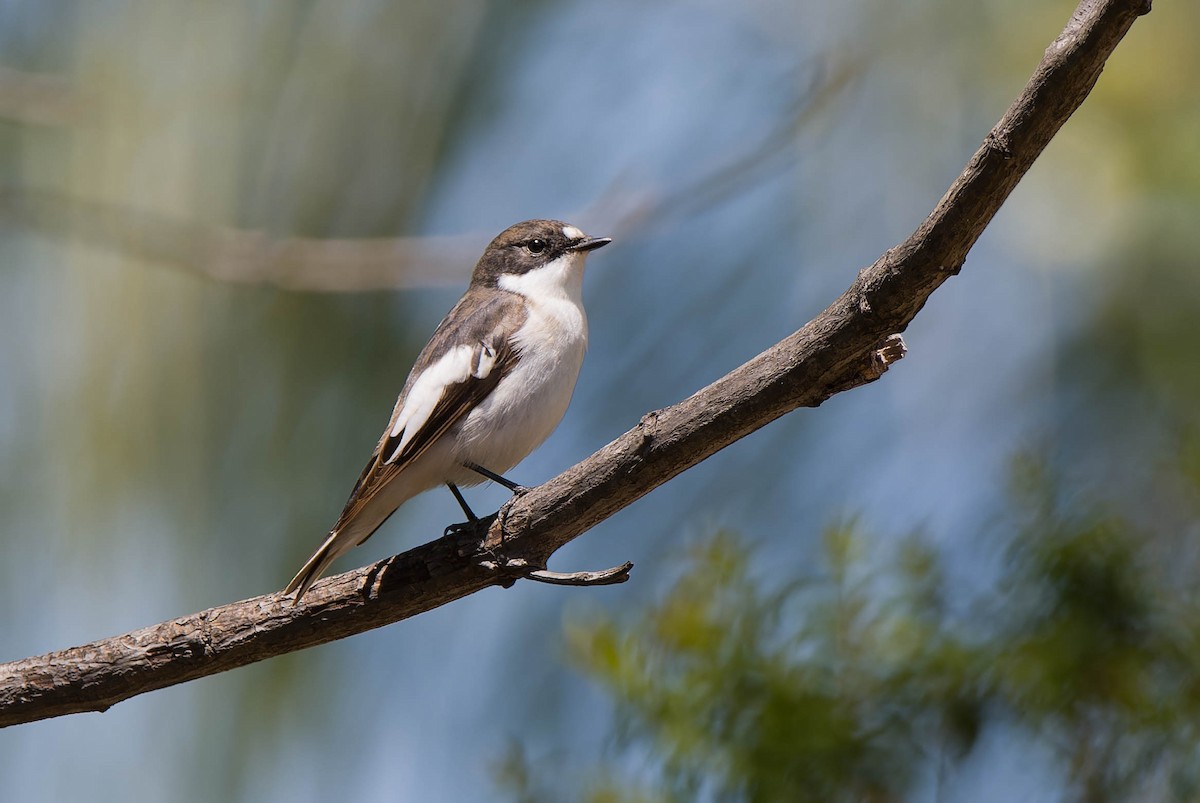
(487, 361)
(453, 367)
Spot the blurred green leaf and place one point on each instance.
(861, 684)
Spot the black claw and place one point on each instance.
(476, 530)
(462, 528)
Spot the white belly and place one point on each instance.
(531, 399)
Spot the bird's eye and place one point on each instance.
(536, 246)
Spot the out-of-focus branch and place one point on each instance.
(845, 346)
(363, 265)
(38, 98)
(249, 257)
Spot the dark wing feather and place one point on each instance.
(490, 328)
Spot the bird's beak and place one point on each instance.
(590, 244)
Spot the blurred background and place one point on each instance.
(226, 228)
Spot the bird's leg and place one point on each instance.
(471, 525)
(462, 502)
(475, 526)
(494, 477)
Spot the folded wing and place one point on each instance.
(461, 365)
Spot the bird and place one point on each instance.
(488, 388)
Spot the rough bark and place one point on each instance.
(836, 351)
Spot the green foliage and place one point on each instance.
(1097, 650)
(863, 684)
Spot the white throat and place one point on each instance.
(559, 280)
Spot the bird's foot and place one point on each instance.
(487, 544)
(475, 528)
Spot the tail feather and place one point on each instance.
(338, 543)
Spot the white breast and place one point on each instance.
(530, 401)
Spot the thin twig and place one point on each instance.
(522, 568)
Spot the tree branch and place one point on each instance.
(845, 346)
